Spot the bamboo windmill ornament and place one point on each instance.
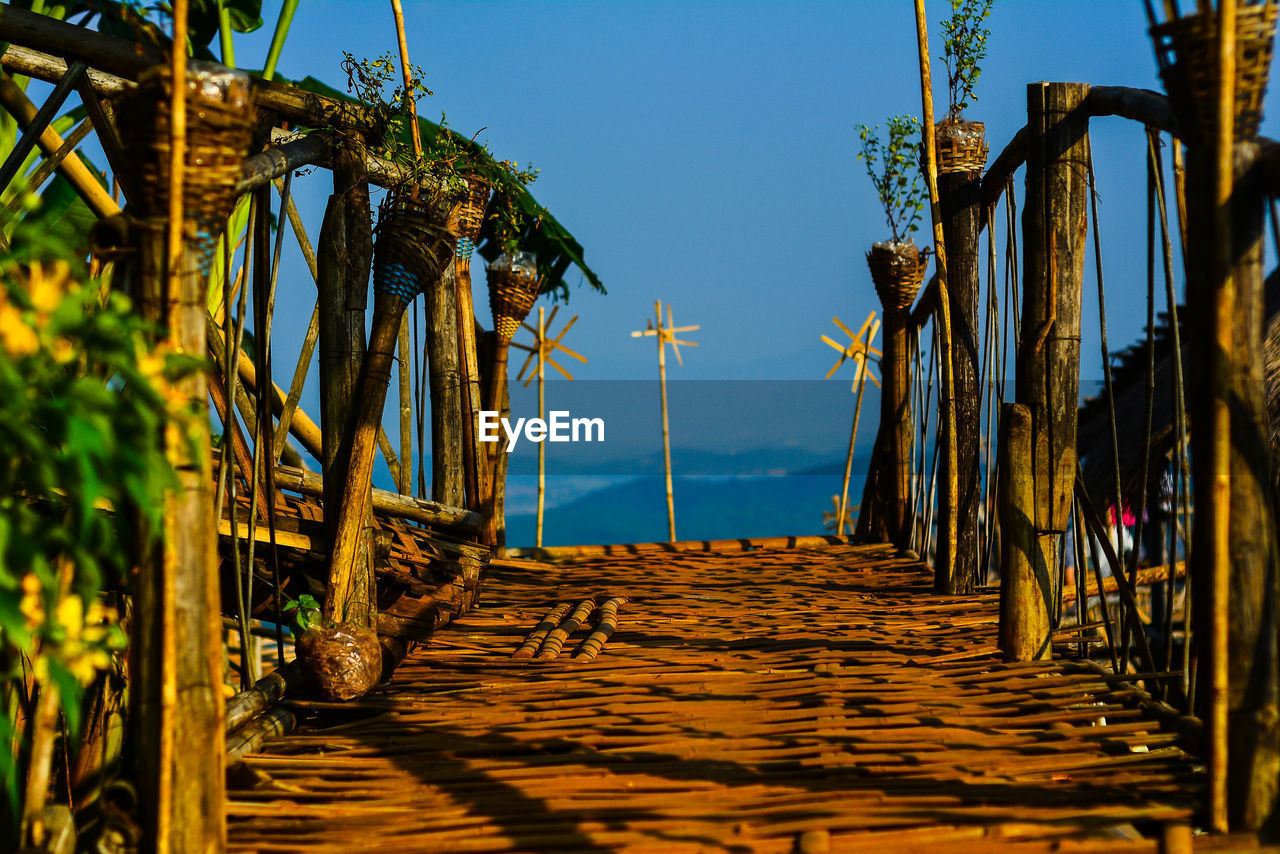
(666, 335)
(860, 350)
(540, 355)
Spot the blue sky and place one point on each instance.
(704, 152)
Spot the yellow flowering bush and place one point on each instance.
(83, 400)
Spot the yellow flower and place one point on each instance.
(48, 289)
(70, 615)
(32, 603)
(63, 352)
(16, 334)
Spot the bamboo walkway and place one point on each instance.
(754, 700)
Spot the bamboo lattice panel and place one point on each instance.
(749, 701)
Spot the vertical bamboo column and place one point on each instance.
(469, 220)
(448, 472)
(1219, 513)
(1253, 632)
(1024, 580)
(1236, 631)
(343, 262)
(1054, 223)
(176, 648)
(542, 409)
(513, 289)
(666, 430)
(944, 566)
(1215, 66)
(896, 438)
(959, 195)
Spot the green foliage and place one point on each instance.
(964, 46)
(447, 158)
(516, 217)
(82, 405)
(894, 171)
(304, 611)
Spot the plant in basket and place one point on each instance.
(1187, 53)
(962, 145)
(340, 661)
(897, 265)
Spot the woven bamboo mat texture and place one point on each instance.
(754, 700)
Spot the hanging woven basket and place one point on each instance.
(961, 146)
(467, 218)
(220, 126)
(1187, 52)
(412, 249)
(513, 289)
(897, 269)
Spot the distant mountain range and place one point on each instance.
(707, 508)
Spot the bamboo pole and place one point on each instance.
(944, 567)
(81, 178)
(348, 549)
(404, 473)
(959, 200)
(1217, 511)
(344, 260)
(1055, 220)
(1024, 580)
(173, 248)
(542, 409)
(666, 428)
(843, 507)
(404, 477)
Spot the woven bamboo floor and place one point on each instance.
(757, 700)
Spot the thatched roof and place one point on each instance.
(1129, 375)
(1129, 380)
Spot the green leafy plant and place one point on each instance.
(304, 611)
(964, 46)
(893, 169)
(83, 403)
(447, 159)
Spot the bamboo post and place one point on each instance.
(885, 517)
(1253, 582)
(960, 197)
(404, 474)
(843, 506)
(1234, 564)
(176, 649)
(542, 412)
(1055, 218)
(1218, 510)
(944, 568)
(448, 471)
(343, 265)
(666, 430)
(1024, 581)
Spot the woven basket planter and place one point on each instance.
(220, 126)
(411, 250)
(961, 145)
(467, 218)
(513, 289)
(897, 271)
(340, 663)
(1187, 51)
